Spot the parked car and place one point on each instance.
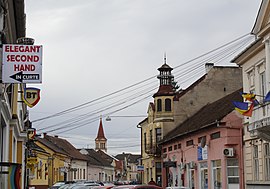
(146, 186)
(57, 185)
(103, 187)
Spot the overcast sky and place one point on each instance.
(94, 48)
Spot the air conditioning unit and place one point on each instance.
(228, 152)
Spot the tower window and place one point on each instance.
(159, 105)
(168, 107)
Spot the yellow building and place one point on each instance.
(51, 166)
(12, 111)
(160, 113)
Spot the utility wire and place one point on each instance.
(224, 55)
(113, 93)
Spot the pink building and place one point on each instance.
(205, 151)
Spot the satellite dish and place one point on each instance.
(203, 142)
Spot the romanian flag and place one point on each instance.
(244, 108)
(250, 97)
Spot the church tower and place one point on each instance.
(101, 141)
(164, 96)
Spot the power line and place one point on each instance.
(86, 118)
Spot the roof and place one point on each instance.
(101, 134)
(131, 158)
(63, 145)
(206, 116)
(51, 145)
(165, 67)
(106, 156)
(95, 158)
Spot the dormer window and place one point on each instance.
(168, 106)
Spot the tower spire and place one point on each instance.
(165, 58)
(101, 141)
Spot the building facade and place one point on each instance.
(13, 112)
(255, 63)
(205, 151)
(171, 108)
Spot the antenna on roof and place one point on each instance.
(165, 58)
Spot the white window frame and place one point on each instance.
(203, 168)
(216, 168)
(231, 166)
(266, 161)
(256, 168)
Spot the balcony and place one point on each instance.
(260, 128)
(153, 150)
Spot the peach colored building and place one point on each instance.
(205, 150)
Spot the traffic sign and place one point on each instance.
(22, 63)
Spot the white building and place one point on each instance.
(255, 63)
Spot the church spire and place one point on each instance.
(101, 141)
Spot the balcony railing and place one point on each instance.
(153, 149)
(259, 124)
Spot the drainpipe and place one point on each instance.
(242, 160)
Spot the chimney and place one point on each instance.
(208, 67)
(44, 134)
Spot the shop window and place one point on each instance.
(215, 135)
(168, 105)
(216, 174)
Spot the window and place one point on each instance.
(175, 147)
(158, 134)
(159, 105)
(267, 161)
(164, 150)
(189, 143)
(179, 146)
(170, 148)
(216, 174)
(233, 171)
(168, 107)
(250, 76)
(255, 162)
(215, 135)
(144, 137)
(203, 175)
(151, 138)
(262, 83)
(83, 173)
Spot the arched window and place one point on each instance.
(159, 105)
(168, 106)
